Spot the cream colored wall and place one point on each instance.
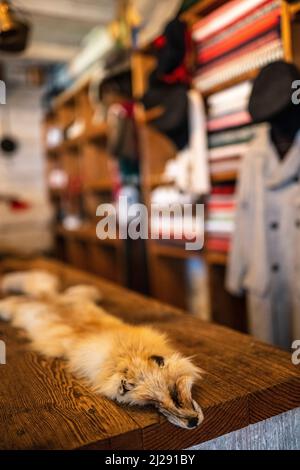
(24, 173)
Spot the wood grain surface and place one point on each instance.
(43, 407)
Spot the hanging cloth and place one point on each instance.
(193, 168)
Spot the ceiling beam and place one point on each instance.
(94, 12)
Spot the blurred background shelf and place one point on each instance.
(224, 177)
(229, 83)
(86, 161)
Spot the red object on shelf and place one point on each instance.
(241, 37)
(160, 42)
(223, 60)
(220, 13)
(218, 244)
(17, 205)
(217, 206)
(226, 189)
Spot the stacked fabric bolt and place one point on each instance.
(235, 39)
(228, 108)
(229, 139)
(220, 218)
(169, 220)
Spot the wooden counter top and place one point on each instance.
(44, 407)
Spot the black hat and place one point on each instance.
(174, 120)
(172, 53)
(272, 90)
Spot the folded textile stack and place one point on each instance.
(220, 218)
(229, 108)
(237, 38)
(229, 139)
(172, 217)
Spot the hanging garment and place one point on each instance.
(173, 122)
(265, 254)
(193, 169)
(122, 139)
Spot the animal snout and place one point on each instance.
(193, 422)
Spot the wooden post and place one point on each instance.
(286, 19)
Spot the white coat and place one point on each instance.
(265, 254)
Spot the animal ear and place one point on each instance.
(159, 360)
(183, 389)
(125, 387)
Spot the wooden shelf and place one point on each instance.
(55, 150)
(216, 258)
(92, 133)
(75, 141)
(86, 232)
(177, 251)
(171, 249)
(224, 177)
(98, 186)
(70, 93)
(200, 9)
(294, 9)
(229, 83)
(96, 132)
(157, 180)
(82, 249)
(56, 193)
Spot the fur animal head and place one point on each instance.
(163, 380)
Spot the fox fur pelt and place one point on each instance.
(132, 365)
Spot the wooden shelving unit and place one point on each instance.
(224, 177)
(167, 260)
(81, 248)
(289, 31)
(85, 159)
(217, 258)
(86, 154)
(229, 83)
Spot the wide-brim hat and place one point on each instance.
(272, 90)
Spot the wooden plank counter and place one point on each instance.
(44, 407)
